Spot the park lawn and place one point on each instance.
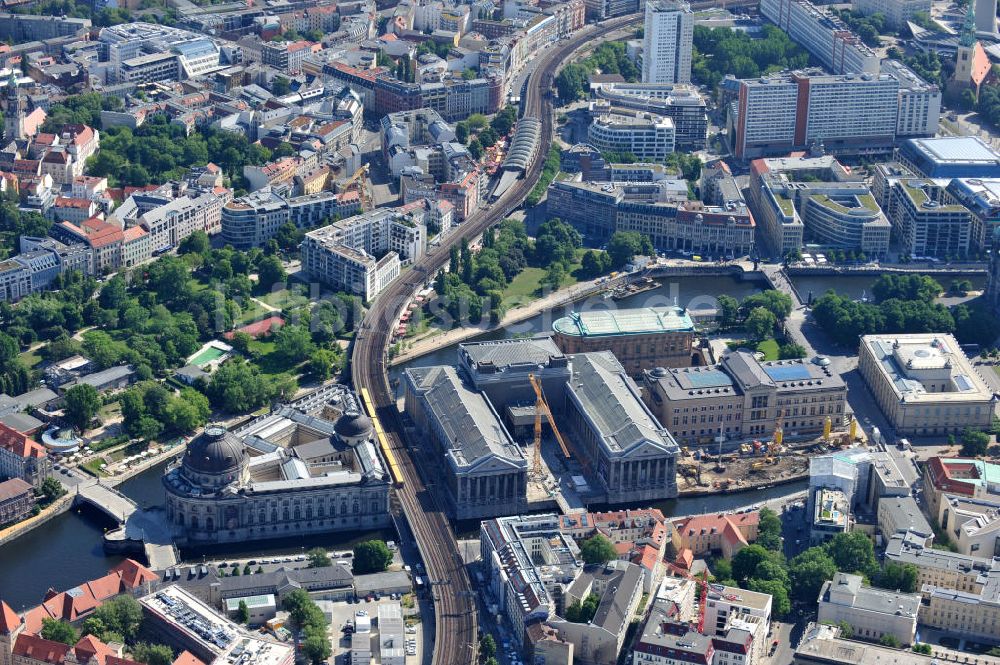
(31, 358)
(110, 411)
(526, 286)
(285, 298)
(252, 311)
(268, 361)
(93, 467)
(769, 348)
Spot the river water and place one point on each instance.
(67, 551)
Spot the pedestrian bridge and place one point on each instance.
(106, 499)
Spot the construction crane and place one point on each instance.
(542, 408)
(702, 583)
(360, 179)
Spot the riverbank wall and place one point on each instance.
(60, 506)
(861, 271)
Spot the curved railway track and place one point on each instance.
(455, 629)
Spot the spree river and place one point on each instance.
(67, 551)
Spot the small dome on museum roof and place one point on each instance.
(353, 424)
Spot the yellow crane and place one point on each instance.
(360, 178)
(542, 408)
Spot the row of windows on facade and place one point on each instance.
(293, 513)
(755, 429)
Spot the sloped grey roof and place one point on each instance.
(465, 418)
(609, 400)
(746, 370)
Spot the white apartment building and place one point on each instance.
(919, 102)
(169, 224)
(725, 605)
(252, 220)
(343, 253)
(827, 37)
(896, 12)
(667, 42)
(844, 113)
(645, 135)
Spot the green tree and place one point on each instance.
(323, 363)
(371, 556)
(769, 530)
(780, 604)
(791, 351)
(270, 273)
(624, 245)
(728, 311)
(50, 490)
(923, 648)
(82, 404)
(853, 553)
(808, 571)
(747, 559)
(475, 148)
(196, 243)
(294, 343)
(760, 323)
(487, 646)
(318, 558)
(93, 626)
(243, 613)
(152, 654)
(598, 549)
(280, 86)
(776, 302)
(722, 569)
(889, 640)
(846, 630)
(59, 631)
(316, 646)
(974, 442)
(897, 576)
(122, 615)
(583, 612)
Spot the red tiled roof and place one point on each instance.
(19, 444)
(90, 647)
(134, 574)
(187, 658)
(8, 619)
(37, 648)
(72, 202)
(133, 233)
(56, 157)
(647, 557)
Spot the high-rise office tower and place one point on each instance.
(667, 42)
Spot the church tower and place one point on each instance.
(13, 118)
